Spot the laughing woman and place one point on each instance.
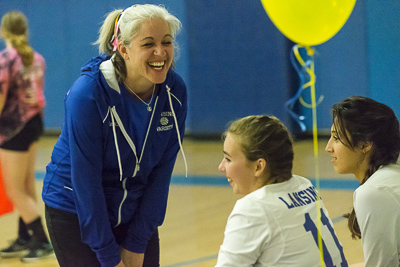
(365, 142)
(107, 184)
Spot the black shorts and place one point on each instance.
(30, 133)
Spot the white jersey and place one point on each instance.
(377, 206)
(276, 225)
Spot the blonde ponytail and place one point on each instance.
(14, 26)
(20, 43)
(106, 33)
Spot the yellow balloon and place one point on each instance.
(309, 22)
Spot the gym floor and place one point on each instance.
(199, 205)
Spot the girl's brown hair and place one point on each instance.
(265, 137)
(360, 120)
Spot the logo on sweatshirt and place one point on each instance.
(165, 122)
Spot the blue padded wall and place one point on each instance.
(383, 45)
(238, 64)
(234, 60)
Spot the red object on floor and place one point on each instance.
(5, 204)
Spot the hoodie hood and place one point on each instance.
(102, 70)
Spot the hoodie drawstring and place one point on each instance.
(114, 115)
(116, 147)
(177, 127)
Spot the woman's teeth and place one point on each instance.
(157, 65)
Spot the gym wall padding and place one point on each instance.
(238, 64)
(234, 60)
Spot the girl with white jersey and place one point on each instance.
(365, 141)
(276, 222)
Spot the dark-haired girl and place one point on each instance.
(365, 141)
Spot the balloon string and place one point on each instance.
(307, 68)
(292, 101)
(302, 70)
(316, 161)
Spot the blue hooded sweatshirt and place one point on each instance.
(113, 161)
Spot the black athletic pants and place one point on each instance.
(65, 236)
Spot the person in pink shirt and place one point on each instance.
(21, 124)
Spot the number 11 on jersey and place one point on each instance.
(309, 225)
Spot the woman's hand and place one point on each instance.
(132, 259)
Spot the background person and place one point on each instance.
(21, 124)
(275, 223)
(107, 184)
(365, 142)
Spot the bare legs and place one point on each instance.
(18, 169)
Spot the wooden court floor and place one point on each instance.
(199, 205)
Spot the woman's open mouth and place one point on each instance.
(157, 65)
